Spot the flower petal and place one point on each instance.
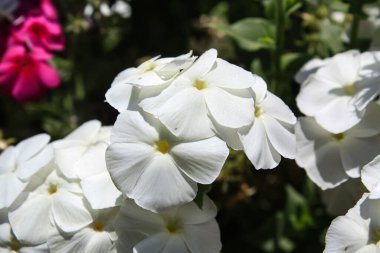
(76, 243)
(10, 189)
(202, 65)
(203, 238)
(31, 146)
(275, 107)
(48, 76)
(202, 160)
(8, 159)
(119, 95)
(153, 244)
(369, 125)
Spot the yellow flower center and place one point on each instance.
(98, 226)
(375, 236)
(162, 146)
(200, 85)
(52, 188)
(150, 66)
(338, 137)
(258, 111)
(14, 245)
(350, 90)
(172, 226)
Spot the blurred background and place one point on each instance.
(277, 210)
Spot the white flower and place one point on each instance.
(272, 133)
(157, 169)
(97, 237)
(210, 88)
(339, 91)
(52, 203)
(10, 244)
(134, 84)
(309, 68)
(371, 177)
(122, 8)
(184, 229)
(81, 155)
(19, 163)
(356, 232)
(330, 159)
(341, 198)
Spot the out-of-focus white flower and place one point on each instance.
(210, 88)
(10, 244)
(357, 231)
(19, 163)
(157, 169)
(272, 133)
(339, 91)
(105, 10)
(371, 177)
(184, 229)
(119, 7)
(122, 8)
(330, 159)
(97, 237)
(81, 155)
(156, 72)
(341, 198)
(52, 203)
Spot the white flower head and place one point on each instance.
(357, 231)
(210, 88)
(82, 155)
(19, 163)
(157, 169)
(183, 229)
(371, 177)
(134, 84)
(52, 202)
(97, 237)
(272, 132)
(339, 91)
(330, 159)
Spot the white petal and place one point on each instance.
(228, 75)
(5, 233)
(259, 88)
(275, 107)
(119, 95)
(77, 243)
(257, 148)
(31, 146)
(203, 238)
(10, 189)
(368, 90)
(175, 244)
(93, 161)
(34, 213)
(29, 167)
(130, 127)
(191, 214)
(369, 125)
(150, 78)
(281, 136)
(69, 211)
(338, 116)
(8, 159)
(99, 243)
(162, 185)
(185, 115)
(153, 244)
(126, 162)
(371, 174)
(85, 132)
(202, 160)
(202, 65)
(345, 235)
(227, 109)
(100, 191)
(308, 69)
(229, 135)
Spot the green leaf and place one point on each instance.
(251, 34)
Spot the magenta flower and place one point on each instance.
(26, 75)
(38, 31)
(37, 8)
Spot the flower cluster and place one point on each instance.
(28, 39)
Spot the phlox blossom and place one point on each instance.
(183, 229)
(19, 163)
(371, 177)
(26, 75)
(155, 168)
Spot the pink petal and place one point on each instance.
(27, 88)
(48, 75)
(48, 9)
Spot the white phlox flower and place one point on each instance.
(134, 84)
(81, 155)
(371, 177)
(183, 229)
(330, 159)
(18, 163)
(157, 169)
(339, 91)
(272, 132)
(309, 68)
(358, 231)
(52, 202)
(10, 244)
(97, 237)
(341, 198)
(210, 89)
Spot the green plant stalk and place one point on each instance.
(280, 32)
(354, 30)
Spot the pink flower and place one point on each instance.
(39, 32)
(37, 8)
(26, 75)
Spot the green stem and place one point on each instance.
(354, 31)
(280, 32)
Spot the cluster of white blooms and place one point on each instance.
(130, 188)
